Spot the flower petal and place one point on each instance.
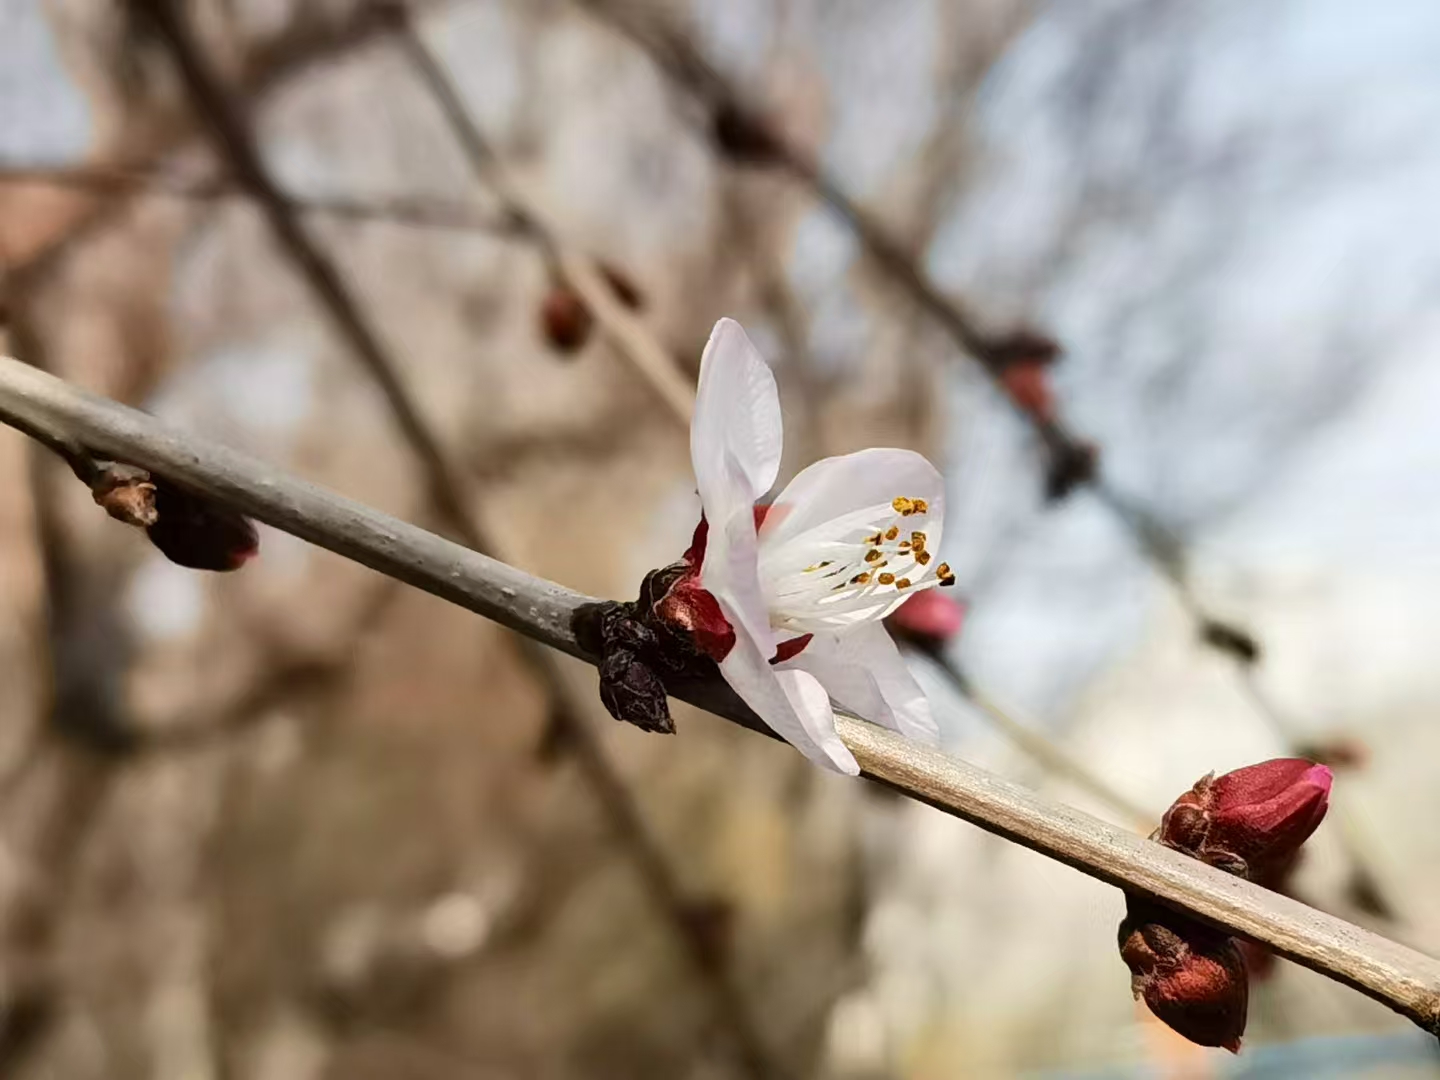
(735, 442)
(838, 487)
(735, 437)
(793, 703)
(864, 671)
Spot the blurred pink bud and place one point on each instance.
(1028, 385)
(1191, 977)
(199, 533)
(565, 320)
(927, 619)
(1249, 820)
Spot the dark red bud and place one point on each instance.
(199, 533)
(1192, 978)
(565, 320)
(1028, 385)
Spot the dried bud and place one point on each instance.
(1251, 820)
(633, 692)
(565, 320)
(126, 493)
(196, 532)
(1230, 639)
(623, 286)
(1192, 978)
(1028, 385)
(744, 137)
(927, 620)
(1072, 464)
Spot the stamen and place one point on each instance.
(923, 558)
(904, 545)
(903, 583)
(917, 540)
(887, 579)
(903, 505)
(921, 506)
(861, 579)
(892, 532)
(876, 539)
(817, 566)
(873, 555)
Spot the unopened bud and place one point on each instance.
(565, 320)
(927, 620)
(199, 533)
(1250, 820)
(1192, 977)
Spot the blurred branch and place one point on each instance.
(313, 38)
(1047, 754)
(236, 145)
(1405, 980)
(629, 333)
(425, 212)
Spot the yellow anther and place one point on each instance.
(923, 558)
(903, 583)
(917, 540)
(904, 545)
(903, 505)
(921, 506)
(873, 555)
(860, 579)
(887, 579)
(892, 532)
(817, 566)
(943, 570)
(874, 539)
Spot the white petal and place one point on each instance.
(731, 573)
(908, 703)
(864, 671)
(840, 487)
(793, 703)
(735, 437)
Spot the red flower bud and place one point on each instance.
(927, 620)
(196, 532)
(565, 320)
(1192, 978)
(1250, 820)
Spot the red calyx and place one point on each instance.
(196, 532)
(1028, 384)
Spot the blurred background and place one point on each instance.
(301, 822)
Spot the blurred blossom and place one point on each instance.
(928, 620)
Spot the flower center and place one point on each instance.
(853, 569)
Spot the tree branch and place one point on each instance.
(1405, 980)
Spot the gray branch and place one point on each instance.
(1405, 980)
